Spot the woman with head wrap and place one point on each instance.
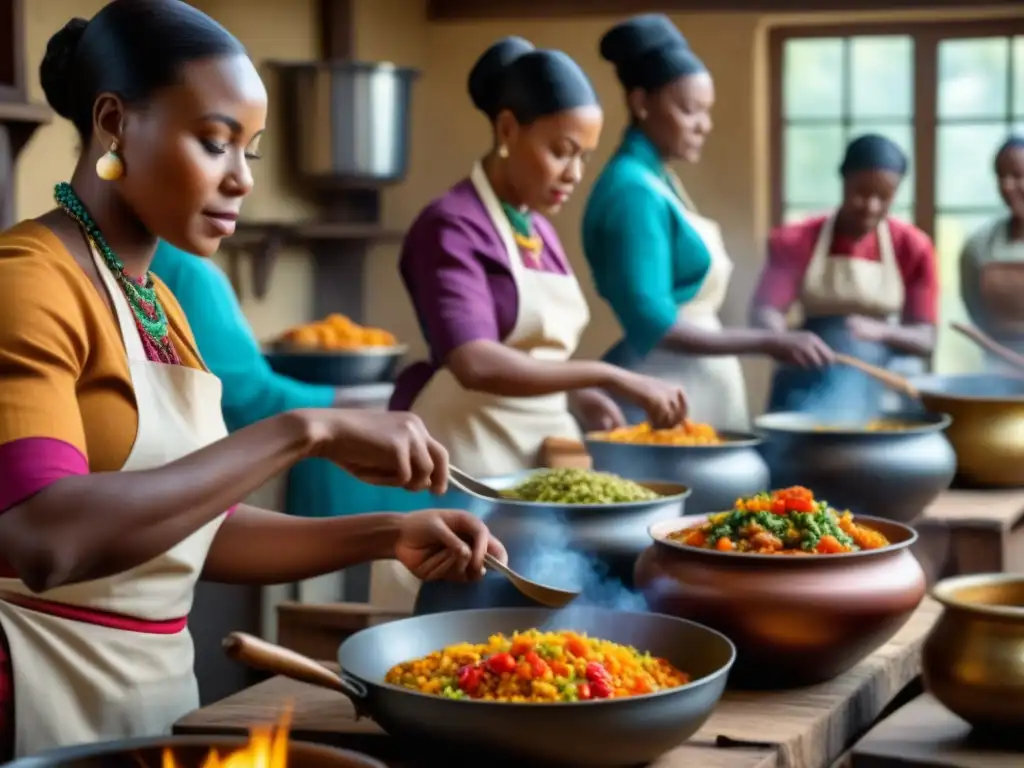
(499, 307)
(866, 284)
(660, 265)
(992, 261)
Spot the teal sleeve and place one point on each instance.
(629, 249)
(252, 390)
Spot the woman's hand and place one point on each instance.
(445, 544)
(595, 411)
(801, 348)
(664, 403)
(381, 448)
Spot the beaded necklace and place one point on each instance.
(140, 292)
(523, 232)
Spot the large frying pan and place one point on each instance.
(613, 732)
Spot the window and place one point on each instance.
(948, 94)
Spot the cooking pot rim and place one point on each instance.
(925, 423)
(946, 590)
(658, 532)
(282, 350)
(932, 386)
(683, 492)
(733, 440)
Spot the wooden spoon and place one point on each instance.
(986, 342)
(892, 380)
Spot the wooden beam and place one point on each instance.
(455, 10)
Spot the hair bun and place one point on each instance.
(638, 36)
(485, 79)
(56, 69)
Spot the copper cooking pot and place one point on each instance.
(794, 620)
(971, 660)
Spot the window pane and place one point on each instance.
(881, 77)
(903, 135)
(973, 77)
(813, 154)
(812, 78)
(964, 170)
(954, 354)
(1018, 76)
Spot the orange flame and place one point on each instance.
(267, 748)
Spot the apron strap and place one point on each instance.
(125, 316)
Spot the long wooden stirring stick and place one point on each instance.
(890, 379)
(986, 342)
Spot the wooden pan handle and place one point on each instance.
(986, 342)
(259, 654)
(890, 379)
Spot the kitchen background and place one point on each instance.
(959, 70)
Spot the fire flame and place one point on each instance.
(267, 748)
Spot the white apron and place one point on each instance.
(715, 387)
(76, 682)
(487, 435)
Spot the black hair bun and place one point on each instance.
(56, 69)
(639, 36)
(485, 79)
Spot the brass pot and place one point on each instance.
(794, 620)
(987, 432)
(973, 659)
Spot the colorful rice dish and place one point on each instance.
(535, 666)
(687, 433)
(785, 522)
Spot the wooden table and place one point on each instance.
(807, 728)
(972, 532)
(924, 734)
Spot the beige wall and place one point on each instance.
(730, 184)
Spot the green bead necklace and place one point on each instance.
(522, 230)
(140, 292)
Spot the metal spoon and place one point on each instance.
(543, 594)
(472, 486)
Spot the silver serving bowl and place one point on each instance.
(338, 368)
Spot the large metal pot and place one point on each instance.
(188, 751)
(338, 368)
(349, 120)
(988, 425)
(971, 660)
(609, 732)
(718, 474)
(794, 620)
(540, 536)
(894, 474)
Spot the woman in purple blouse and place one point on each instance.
(497, 302)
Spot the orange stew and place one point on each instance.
(687, 433)
(785, 522)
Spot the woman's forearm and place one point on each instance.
(918, 340)
(89, 526)
(487, 366)
(685, 337)
(256, 546)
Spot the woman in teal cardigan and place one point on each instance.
(253, 391)
(661, 266)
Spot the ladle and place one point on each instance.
(989, 344)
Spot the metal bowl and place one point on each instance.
(794, 620)
(338, 368)
(718, 474)
(971, 660)
(614, 534)
(189, 752)
(987, 432)
(893, 474)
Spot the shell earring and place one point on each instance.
(503, 152)
(110, 167)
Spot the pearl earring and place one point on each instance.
(503, 152)
(110, 167)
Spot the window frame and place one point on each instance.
(926, 36)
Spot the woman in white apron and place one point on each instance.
(497, 301)
(992, 260)
(866, 283)
(662, 267)
(119, 488)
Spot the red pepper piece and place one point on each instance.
(501, 663)
(536, 663)
(583, 691)
(470, 678)
(601, 688)
(596, 671)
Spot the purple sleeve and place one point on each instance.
(449, 287)
(30, 464)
